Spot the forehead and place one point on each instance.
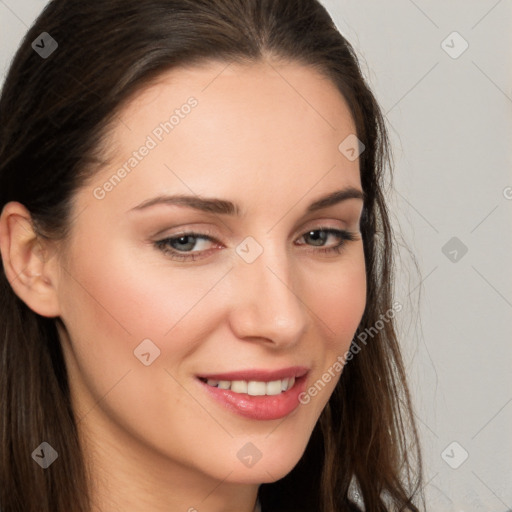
(268, 88)
(269, 123)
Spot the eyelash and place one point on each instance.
(163, 245)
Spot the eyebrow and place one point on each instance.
(224, 207)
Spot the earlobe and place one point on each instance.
(27, 261)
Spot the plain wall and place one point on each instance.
(450, 120)
(449, 115)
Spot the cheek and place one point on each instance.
(109, 306)
(121, 297)
(339, 299)
(339, 305)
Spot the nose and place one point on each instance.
(267, 302)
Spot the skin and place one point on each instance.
(265, 136)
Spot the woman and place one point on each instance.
(196, 287)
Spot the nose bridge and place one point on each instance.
(268, 304)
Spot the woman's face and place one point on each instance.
(258, 294)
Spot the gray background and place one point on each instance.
(449, 115)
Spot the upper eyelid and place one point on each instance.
(320, 224)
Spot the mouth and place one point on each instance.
(257, 394)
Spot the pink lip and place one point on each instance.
(259, 375)
(264, 407)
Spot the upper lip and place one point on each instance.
(259, 374)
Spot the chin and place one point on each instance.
(275, 462)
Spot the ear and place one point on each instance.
(29, 261)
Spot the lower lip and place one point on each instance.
(263, 407)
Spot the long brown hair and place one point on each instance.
(54, 115)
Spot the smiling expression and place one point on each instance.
(224, 262)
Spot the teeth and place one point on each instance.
(274, 387)
(253, 387)
(239, 386)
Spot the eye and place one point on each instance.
(177, 247)
(181, 247)
(320, 235)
